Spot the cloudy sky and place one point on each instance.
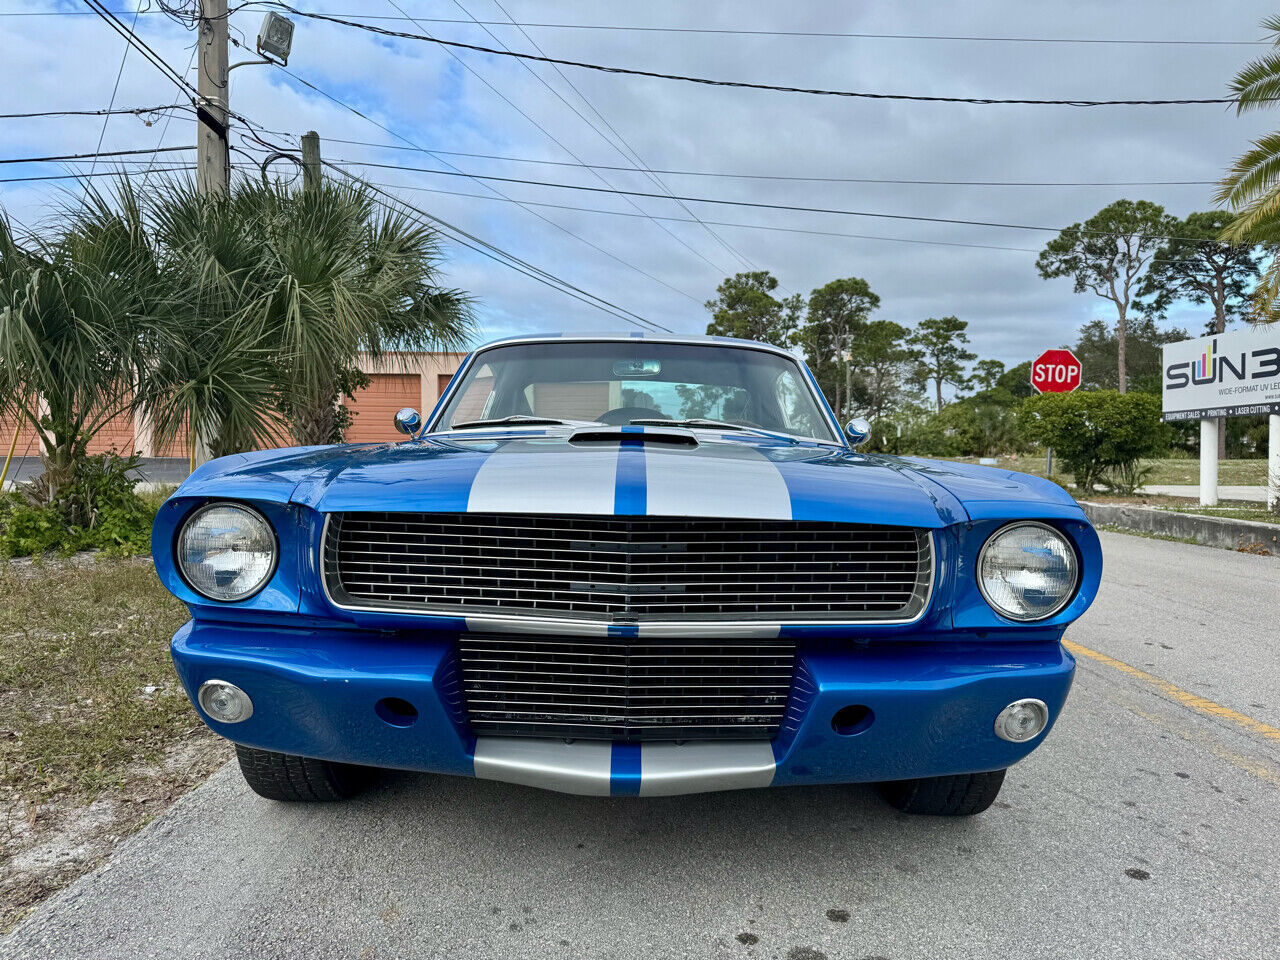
(473, 103)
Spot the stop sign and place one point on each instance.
(1056, 371)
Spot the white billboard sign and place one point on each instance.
(1233, 374)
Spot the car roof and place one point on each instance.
(694, 338)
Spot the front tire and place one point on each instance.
(961, 795)
(282, 776)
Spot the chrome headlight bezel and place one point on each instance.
(256, 516)
(1067, 596)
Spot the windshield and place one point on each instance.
(615, 382)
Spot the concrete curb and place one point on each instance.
(1210, 531)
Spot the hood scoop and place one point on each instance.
(673, 437)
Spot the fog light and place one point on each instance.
(1022, 720)
(225, 701)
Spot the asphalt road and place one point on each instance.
(1148, 825)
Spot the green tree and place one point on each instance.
(1017, 380)
(1097, 348)
(80, 313)
(987, 373)
(881, 363)
(1252, 186)
(1096, 431)
(1193, 265)
(745, 307)
(941, 353)
(1107, 255)
(837, 319)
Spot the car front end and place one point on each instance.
(614, 603)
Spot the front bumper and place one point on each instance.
(932, 706)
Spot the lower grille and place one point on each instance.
(620, 690)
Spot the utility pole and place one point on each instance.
(311, 169)
(213, 160)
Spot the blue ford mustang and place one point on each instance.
(626, 565)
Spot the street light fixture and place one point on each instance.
(275, 37)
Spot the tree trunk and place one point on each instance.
(1122, 329)
(938, 382)
(313, 422)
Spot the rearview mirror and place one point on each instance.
(408, 421)
(858, 431)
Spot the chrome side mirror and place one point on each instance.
(408, 421)
(858, 431)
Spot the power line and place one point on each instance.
(545, 132)
(456, 171)
(740, 203)
(95, 155)
(80, 176)
(736, 32)
(496, 253)
(106, 118)
(745, 226)
(537, 76)
(742, 84)
(164, 131)
(141, 45)
(634, 158)
(789, 178)
(161, 108)
(717, 223)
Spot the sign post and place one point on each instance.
(1273, 463)
(1235, 374)
(1055, 371)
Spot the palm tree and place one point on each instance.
(1252, 185)
(217, 380)
(299, 282)
(80, 310)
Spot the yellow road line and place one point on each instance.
(1185, 697)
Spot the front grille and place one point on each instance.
(626, 690)
(627, 569)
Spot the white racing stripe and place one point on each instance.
(668, 769)
(581, 767)
(714, 479)
(545, 476)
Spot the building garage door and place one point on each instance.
(374, 408)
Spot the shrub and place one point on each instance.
(97, 509)
(1097, 433)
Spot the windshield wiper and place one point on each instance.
(713, 425)
(520, 418)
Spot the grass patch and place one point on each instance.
(96, 733)
(85, 648)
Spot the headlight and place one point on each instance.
(226, 551)
(1027, 571)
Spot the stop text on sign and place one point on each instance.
(1056, 371)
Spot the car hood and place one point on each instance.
(630, 471)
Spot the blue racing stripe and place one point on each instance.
(624, 770)
(629, 495)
